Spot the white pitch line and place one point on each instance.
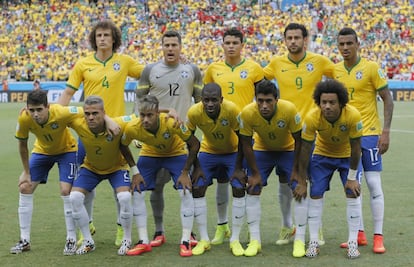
(402, 131)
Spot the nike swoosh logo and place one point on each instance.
(377, 196)
(354, 217)
(301, 225)
(219, 74)
(375, 163)
(186, 215)
(283, 70)
(157, 77)
(90, 69)
(238, 217)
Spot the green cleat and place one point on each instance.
(253, 248)
(286, 235)
(236, 248)
(298, 249)
(222, 231)
(202, 246)
(119, 235)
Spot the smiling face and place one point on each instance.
(330, 107)
(171, 48)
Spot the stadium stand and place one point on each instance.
(43, 39)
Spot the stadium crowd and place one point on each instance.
(43, 39)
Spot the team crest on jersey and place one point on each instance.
(116, 66)
(166, 135)
(54, 125)
(73, 110)
(358, 75)
(343, 128)
(185, 74)
(359, 126)
(183, 128)
(224, 122)
(243, 74)
(109, 138)
(281, 124)
(310, 67)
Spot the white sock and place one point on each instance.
(200, 216)
(124, 200)
(118, 208)
(361, 221)
(80, 216)
(376, 200)
(25, 215)
(222, 202)
(301, 218)
(253, 212)
(70, 223)
(285, 202)
(353, 217)
(315, 210)
(140, 214)
(88, 202)
(187, 213)
(238, 215)
(157, 205)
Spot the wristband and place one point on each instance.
(134, 170)
(352, 175)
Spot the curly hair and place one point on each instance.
(116, 34)
(330, 86)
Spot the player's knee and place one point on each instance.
(26, 188)
(238, 192)
(124, 199)
(76, 198)
(199, 191)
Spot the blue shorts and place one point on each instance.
(80, 156)
(266, 161)
(371, 158)
(216, 166)
(149, 166)
(88, 180)
(322, 170)
(41, 164)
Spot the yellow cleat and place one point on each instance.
(298, 249)
(253, 248)
(286, 235)
(202, 246)
(222, 231)
(119, 235)
(236, 248)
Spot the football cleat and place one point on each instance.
(202, 246)
(86, 247)
(378, 246)
(236, 248)
(139, 249)
(253, 248)
(353, 251)
(119, 235)
(185, 249)
(362, 240)
(313, 249)
(193, 240)
(222, 231)
(321, 238)
(298, 249)
(21, 246)
(70, 247)
(92, 230)
(286, 235)
(159, 239)
(124, 248)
